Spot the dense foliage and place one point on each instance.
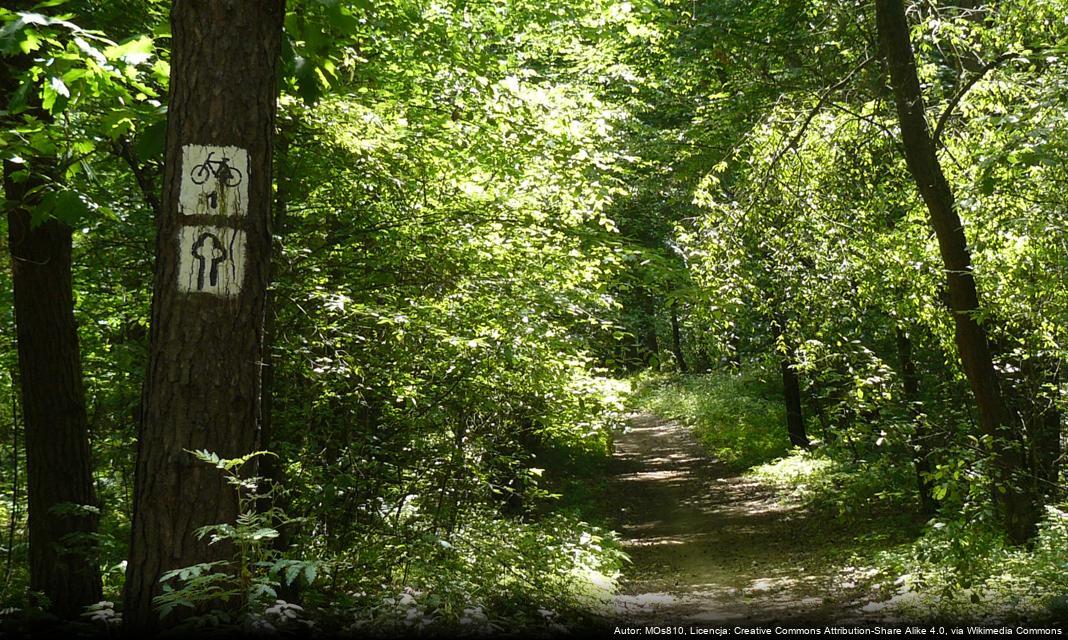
(485, 211)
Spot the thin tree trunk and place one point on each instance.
(203, 383)
(791, 388)
(921, 449)
(1017, 503)
(271, 467)
(676, 339)
(650, 344)
(1042, 380)
(795, 423)
(734, 356)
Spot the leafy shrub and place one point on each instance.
(246, 585)
(488, 575)
(963, 569)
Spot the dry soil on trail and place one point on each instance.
(708, 545)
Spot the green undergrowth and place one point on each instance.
(549, 566)
(843, 488)
(855, 511)
(961, 569)
(738, 418)
(953, 567)
(491, 576)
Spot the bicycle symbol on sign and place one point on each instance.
(220, 169)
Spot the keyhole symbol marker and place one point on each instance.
(205, 251)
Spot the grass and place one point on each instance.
(739, 418)
(838, 488)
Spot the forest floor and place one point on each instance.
(710, 545)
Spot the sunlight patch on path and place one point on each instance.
(706, 544)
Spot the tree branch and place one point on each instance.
(824, 97)
(944, 118)
(124, 150)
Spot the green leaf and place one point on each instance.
(292, 572)
(117, 123)
(70, 208)
(55, 95)
(30, 42)
(340, 19)
(43, 144)
(150, 142)
(307, 81)
(264, 533)
(161, 70)
(42, 211)
(20, 98)
(135, 51)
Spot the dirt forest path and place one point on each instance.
(708, 545)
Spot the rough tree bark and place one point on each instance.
(1017, 504)
(53, 396)
(203, 383)
(53, 404)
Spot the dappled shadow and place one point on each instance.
(708, 545)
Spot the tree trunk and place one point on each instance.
(203, 383)
(271, 467)
(1041, 378)
(650, 345)
(791, 389)
(676, 339)
(1018, 506)
(58, 459)
(59, 472)
(921, 449)
(795, 423)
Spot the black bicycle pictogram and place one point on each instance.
(221, 169)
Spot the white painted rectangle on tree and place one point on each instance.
(211, 260)
(214, 181)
